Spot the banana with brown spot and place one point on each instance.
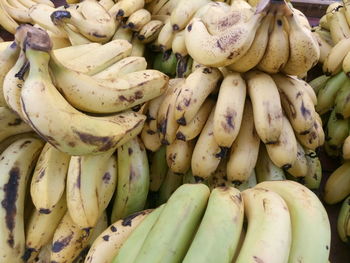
(178, 155)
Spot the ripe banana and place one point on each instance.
(222, 221)
(108, 243)
(265, 169)
(207, 153)
(9, 140)
(138, 48)
(70, 130)
(229, 109)
(158, 168)
(133, 244)
(41, 228)
(178, 155)
(314, 173)
(6, 21)
(283, 153)
(338, 25)
(269, 227)
(325, 47)
(244, 150)
(300, 166)
(304, 50)
(326, 95)
(124, 33)
(338, 184)
(344, 220)
(171, 182)
(324, 23)
(337, 58)
(133, 179)
(123, 67)
(150, 31)
(297, 104)
(49, 178)
(192, 129)
(311, 229)
(125, 8)
(178, 44)
(315, 138)
(16, 164)
(268, 117)
(197, 87)
(257, 49)
(138, 19)
(172, 233)
(150, 138)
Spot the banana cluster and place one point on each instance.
(196, 225)
(224, 125)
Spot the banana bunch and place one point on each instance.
(199, 225)
(211, 125)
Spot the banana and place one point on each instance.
(183, 12)
(207, 153)
(192, 129)
(92, 21)
(150, 138)
(40, 14)
(268, 117)
(338, 25)
(178, 155)
(166, 122)
(133, 244)
(4, 45)
(108, 243)
(277, 50)
(6, 21)
(337, 185)
(18, 14)
(304, 50)
(133, 179)
(171, 182)
(111, 95)
(125, 8)
(46, 2)
(299, 168)
(138, 19)
(155, 5)
(173, 231)
(324, 23)
(218, 178)
(41, 228)
(326, 95)
(49, 178)
(150, 31)
(315, 138)
(344, 220)
(223, 220)
(188, 178)
(296, 103)
(244, 150)
(325, 48)
(341, 103)
(138, 48)
(229, 109)
(106, 4)
(102, 57)
(256, 51)
(269, 227)
(251, 182)
(337, 131)
(228, 45)
(122, 68)
(283, 153)
(337, 58)
(166, 62)
(9, 140)
(13, 82)
(265, 169)
(69, 131)
(75, 38)
(8, 59)
(16, 4)
(69, 240)
(319, 83)
(324, 34)
(314, 173)
(83, 187)
(309, 90)
(311, 229)
(301, 17)
(12, 124)
(197, 87)
(184, 67)
(158, 168)
(123, 32)
(165, 36)
(16, 164)
(346, 148)
(178, 44)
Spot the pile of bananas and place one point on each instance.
(197, 225)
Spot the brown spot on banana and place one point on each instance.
(105, 237)
(45, 211)
(127, 221)
(16, 122)
(61, 244)
(106, 178)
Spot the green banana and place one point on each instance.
(344, 220)
(342, 101)
(188, 178)
(158, 169)
(166, 63)
(313, 177)
(170, 183)
(133, 244)
(326, 95)
(319, 83)
(265, 169)
(175, 228)
(218, 234)
(133, 179)
(337, 131)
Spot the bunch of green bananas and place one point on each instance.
(196, 225)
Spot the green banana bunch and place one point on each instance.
(343, 222)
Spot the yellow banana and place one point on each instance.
(125, 8)
(300, 166)
(150, 31)
(150, 138)
(6, 21)
(338, 25)
(178, 155)
(138, 19)
(337, 58)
